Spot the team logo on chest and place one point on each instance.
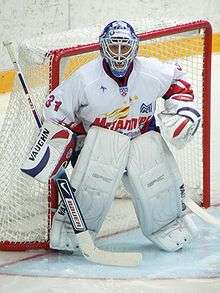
(146, 108)
(123, 90)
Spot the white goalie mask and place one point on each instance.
(119, 46)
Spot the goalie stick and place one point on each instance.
(86, 244)
(202, 213)
(17, 68)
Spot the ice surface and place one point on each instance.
(195, 269)
(200, 259)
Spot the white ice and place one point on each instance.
(195, 269)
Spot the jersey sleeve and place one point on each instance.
(179, 86)
(165, 73)
(63, 103)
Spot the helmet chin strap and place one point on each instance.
(115, 72)
(120, 77)
(119, 73)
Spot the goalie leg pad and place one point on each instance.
(62, 236)
(98, 172)
(95, 177)
(155, 182)
(174, 236)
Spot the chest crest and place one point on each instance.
(123, 90)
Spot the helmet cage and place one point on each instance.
(120, 60)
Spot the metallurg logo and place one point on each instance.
(119, 120)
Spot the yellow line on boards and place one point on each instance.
(216, 43)
(7, 77)
(6, 81)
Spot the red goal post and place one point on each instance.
(26, 207)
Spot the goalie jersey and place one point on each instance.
(93, 96)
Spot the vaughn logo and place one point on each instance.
(39, 144)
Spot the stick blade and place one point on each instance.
(121, 259)
(203, 214)
(110, 258)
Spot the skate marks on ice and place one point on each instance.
(200, 260)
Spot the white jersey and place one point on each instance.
(92, 97)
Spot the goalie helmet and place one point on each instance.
(119, 45)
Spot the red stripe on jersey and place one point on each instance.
(78, 128)
(184, 88)
(184, 98)
(146, 124)
(61, 134)
(180, 127)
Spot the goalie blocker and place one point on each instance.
(52, 149)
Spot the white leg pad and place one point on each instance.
(96, 177)
(62, 236)
(98, 172)
(155, 182)
(177, 234)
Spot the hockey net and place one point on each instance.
(26, 206)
